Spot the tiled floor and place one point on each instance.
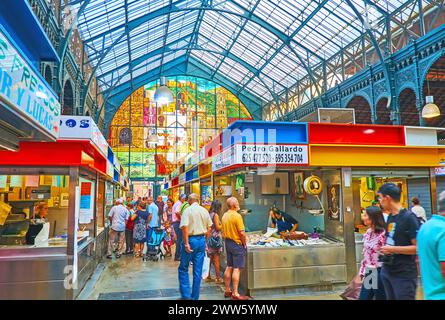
(130, 278)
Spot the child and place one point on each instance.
(168, 239)
(129, 227)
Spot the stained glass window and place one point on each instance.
(161, 135)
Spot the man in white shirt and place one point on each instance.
(195, 226)
(118, 217)
(418, 210)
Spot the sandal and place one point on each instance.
(219, 280)
(227, 294)
(208, 279)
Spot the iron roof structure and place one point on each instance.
(257, 49)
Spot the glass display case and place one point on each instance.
(33, 210)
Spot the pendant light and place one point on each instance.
(163, 94)
(430, 110)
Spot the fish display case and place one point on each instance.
(275, 265)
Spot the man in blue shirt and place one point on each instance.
(431, 251)
(153, 217)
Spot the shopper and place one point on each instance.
(168, 239)
(195, 226)
(176, 220)
(431, 249)
(168, 211)
(153, 217)
(129, 227)
(160, 204)
(418, 210)
(399, 270)
(214, 243)
(118, 219)
(235, 243)
(140, 218)
(370, 267)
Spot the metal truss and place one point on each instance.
(278, 55)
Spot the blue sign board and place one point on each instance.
(262, 132)
(116, 176)
(110, 155)
(191, 175)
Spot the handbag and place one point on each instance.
(214, 242)
(352, 291)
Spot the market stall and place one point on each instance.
(322, 176)
(53, 197)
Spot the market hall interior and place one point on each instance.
(296, 109)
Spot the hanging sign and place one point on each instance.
(261, 154)
(27, 91)
(224, 159)
(182, 178)
(80, 127)
(439, 171)
(272, 154)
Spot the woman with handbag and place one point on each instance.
(214, 243)
(373, 240)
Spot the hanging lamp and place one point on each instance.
(163, 94)
(430, 110)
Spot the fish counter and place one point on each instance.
(277, 264)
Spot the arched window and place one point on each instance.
(48, 75)
(362, 110)
(68, 99)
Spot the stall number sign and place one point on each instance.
(26, 90)
(223, 160)
(261, 154)
(82, 127)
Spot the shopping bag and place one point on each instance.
(206, 267)
(352, 291)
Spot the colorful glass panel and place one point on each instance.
(162, 135)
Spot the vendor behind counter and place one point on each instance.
(282, 221)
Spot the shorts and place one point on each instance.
(236, 254)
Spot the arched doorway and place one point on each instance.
(409, 116)
(68, 99)
(434, 85)
(382, 112)
(362, 110)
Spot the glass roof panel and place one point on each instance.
(255, 31)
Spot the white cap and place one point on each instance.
(119, 200)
